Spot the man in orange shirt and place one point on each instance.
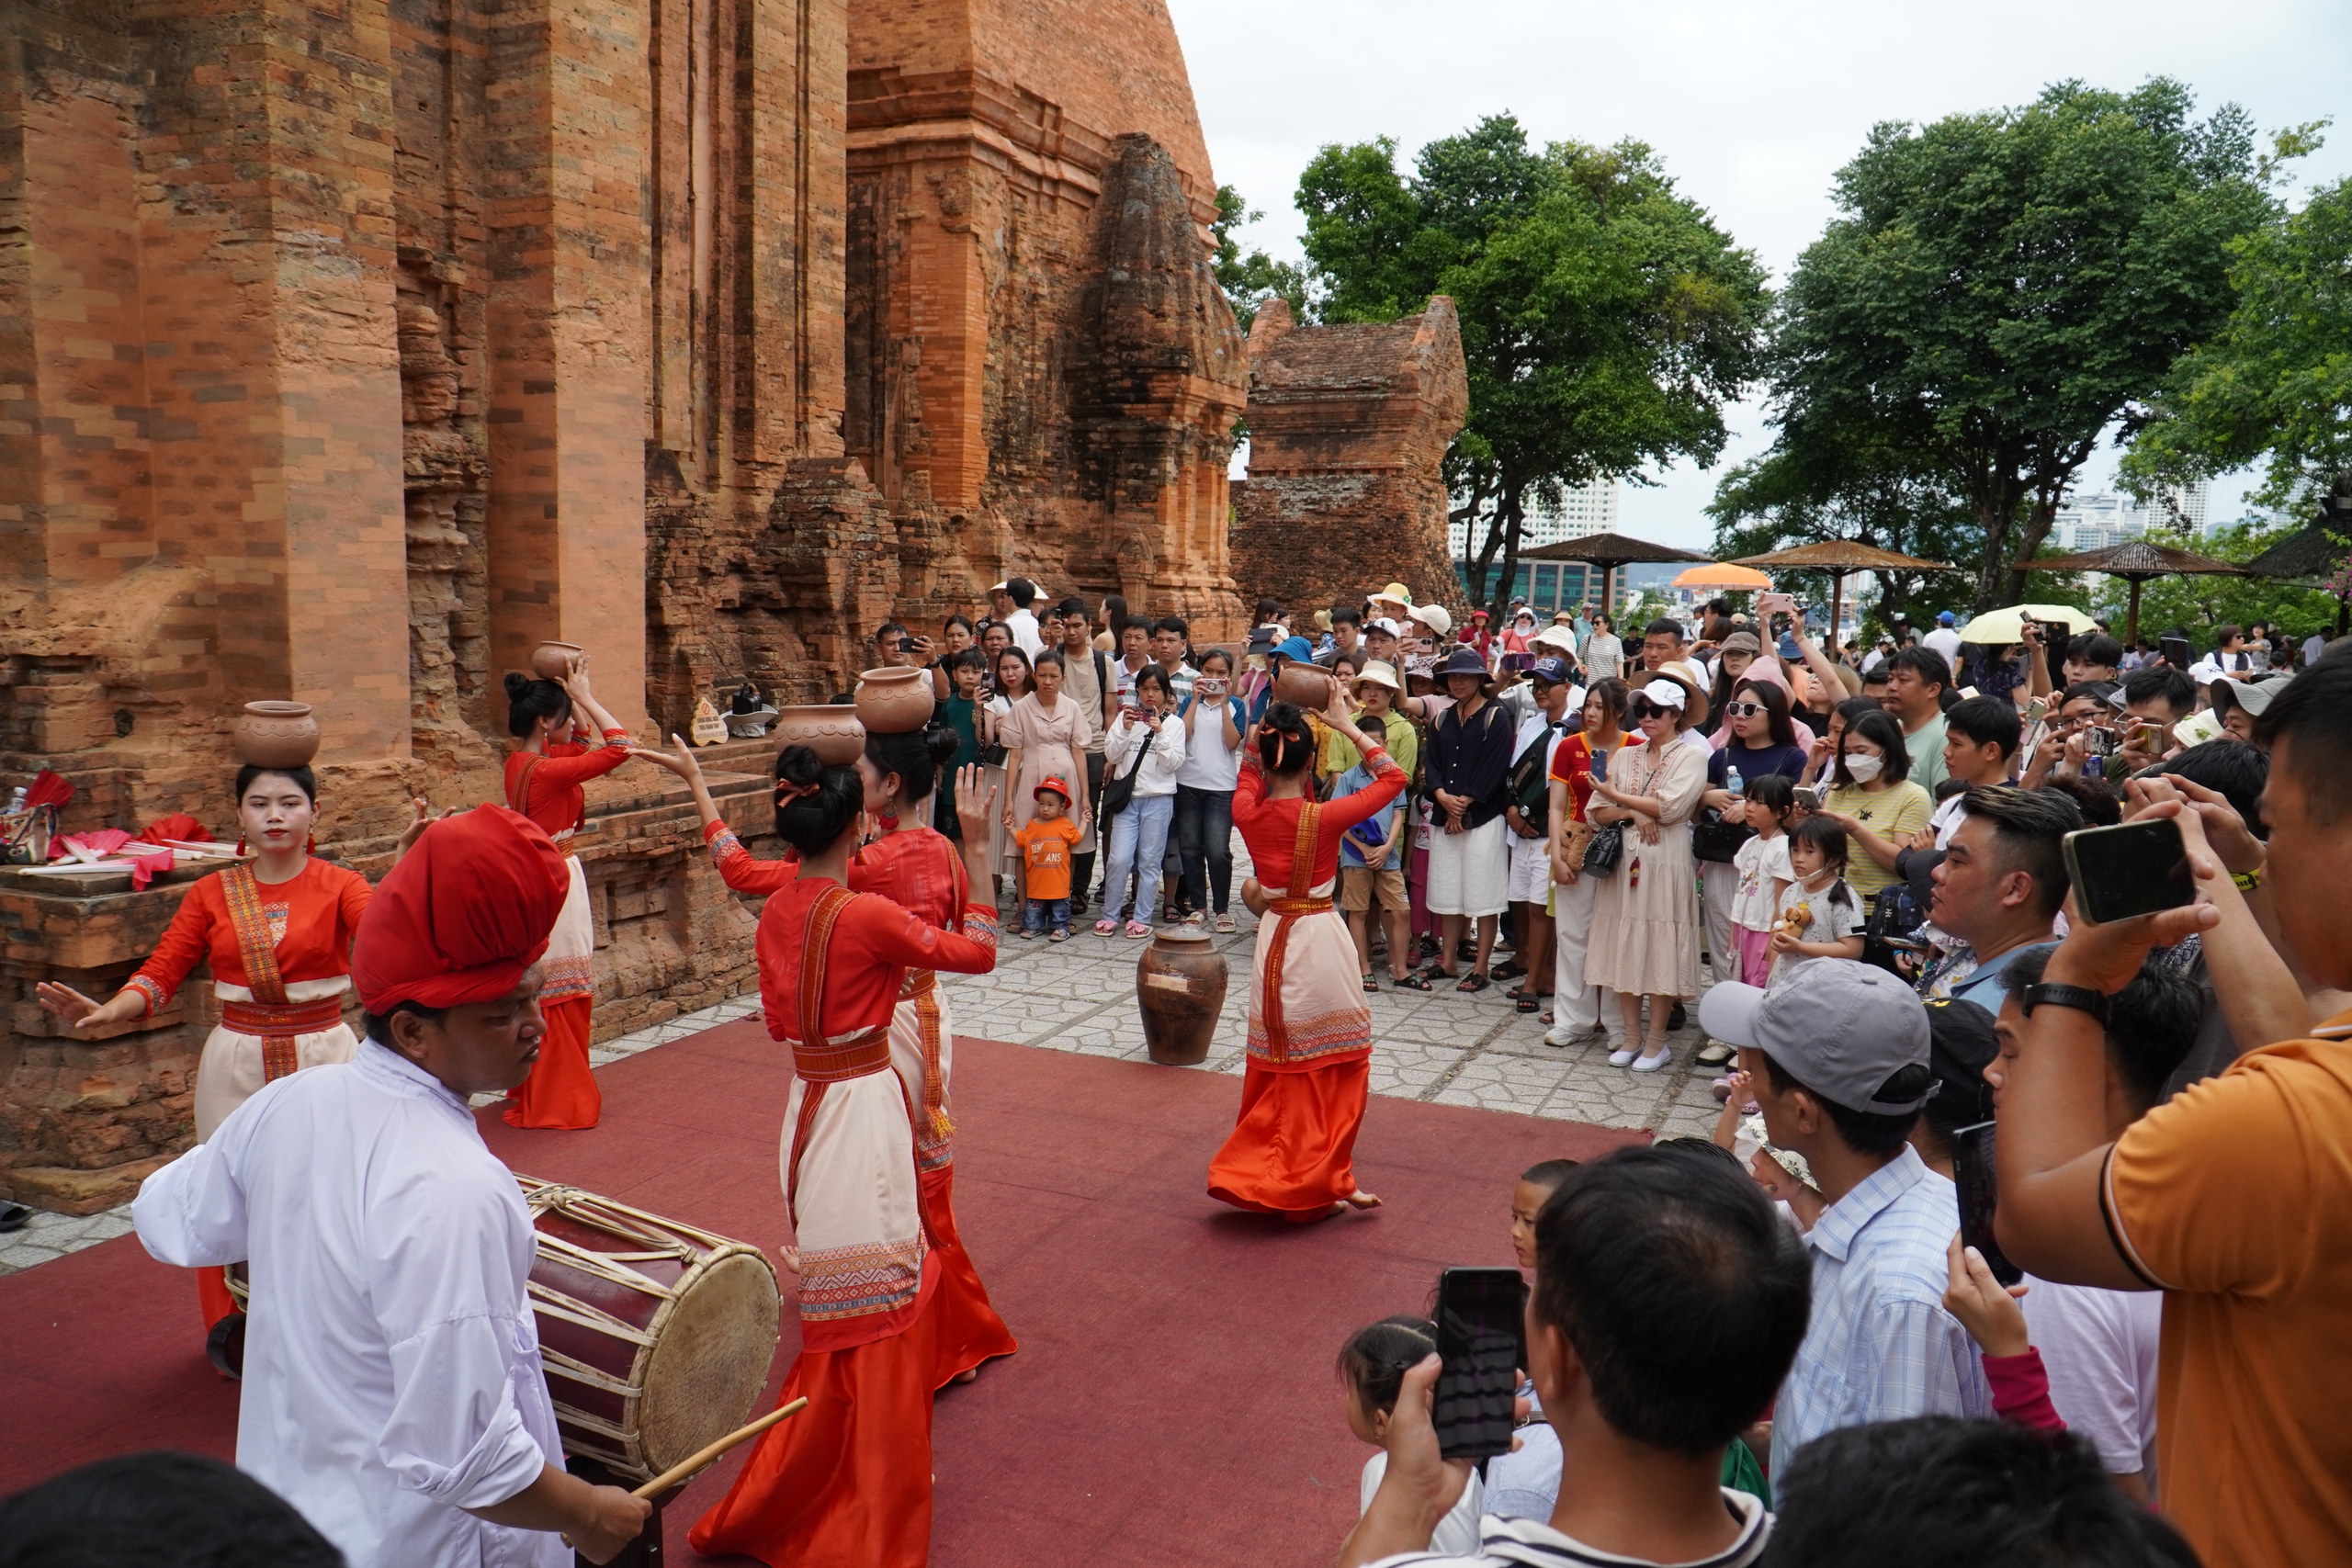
(1046, 842)
(2235, 1198)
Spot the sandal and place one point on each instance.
(1474, 983)
(1136, 930)
(1106, 927)
(1412, 983)
(1370, 984)
(1225, 925)
(1525, 1002)
(1513, 971)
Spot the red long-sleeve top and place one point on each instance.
(875, 943)
(1270, 827)
(315, 915)
(556, 802)
(919, 868)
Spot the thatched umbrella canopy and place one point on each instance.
(2135, 561)
(1837, 557)
(1610, 551)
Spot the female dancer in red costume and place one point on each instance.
(922, 871)
(1292, 1152)
(848, 1482)
(277, 933)
(543, 778)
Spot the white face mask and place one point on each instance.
(1859, 768)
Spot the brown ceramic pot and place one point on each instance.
(1305, 684)
(1180, 984)
(275, 734)
(552, 660)
(894, 701)
(829, 729)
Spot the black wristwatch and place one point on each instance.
(2081, 997)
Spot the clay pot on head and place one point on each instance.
(1180, 984)
(275, 734)
(1305, 684)
(830, 729)
(552, 660)
(894, 701)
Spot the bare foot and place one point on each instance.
(1359, 1199)
(968, 1374)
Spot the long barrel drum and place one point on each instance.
(657, 1337)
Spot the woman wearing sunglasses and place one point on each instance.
(1758, 738)
(1645, 915)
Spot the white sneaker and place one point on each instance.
(1652, 1064)
(1621, 1058)
(1561, 1036)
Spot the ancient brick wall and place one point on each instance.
(1042, 375)
(1348, 429)
(349, 348)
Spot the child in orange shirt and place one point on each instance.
(1046, 841)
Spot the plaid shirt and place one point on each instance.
(1880, 1344)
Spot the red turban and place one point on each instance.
(463, 915)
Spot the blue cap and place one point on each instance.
(1943, 617)
(1296, 648)
(1554, 670)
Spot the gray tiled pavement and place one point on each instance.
(1080, 996)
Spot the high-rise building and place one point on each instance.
(2098, 522)
(1588, 509)
(2184, 508)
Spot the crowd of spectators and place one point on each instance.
(1774, 1347)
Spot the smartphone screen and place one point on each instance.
(2132, 868)
(1972, 1168)
(1480, 1333)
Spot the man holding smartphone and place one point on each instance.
(1839, 1052)
(1638, 1256)
(2233, 1199)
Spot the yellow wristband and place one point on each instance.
(2248, 881)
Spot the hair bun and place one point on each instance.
(941, 742)
(516, 684)
(798, 766)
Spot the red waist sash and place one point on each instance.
(277, 1026)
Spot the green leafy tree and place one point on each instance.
(1812, 488)
(1249, 281)
(2275, 384)
(1605, 319)
(2001, 288)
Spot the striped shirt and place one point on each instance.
(1530, 1541)
(1881, 1346)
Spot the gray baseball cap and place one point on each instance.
(1840, 1027)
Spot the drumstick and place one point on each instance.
(681, 1471)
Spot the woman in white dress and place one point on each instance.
(1645, 913)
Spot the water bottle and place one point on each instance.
(1732, 782)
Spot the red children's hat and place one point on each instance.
(1055, 784)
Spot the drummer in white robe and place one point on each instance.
(392, 1384)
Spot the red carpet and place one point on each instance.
(1173, 1402)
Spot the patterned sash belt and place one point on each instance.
(1298, 906)
(837, 1062)
(918, 983)
(277, 1026)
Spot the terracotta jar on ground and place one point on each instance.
(893, 701)
(275, 734)
(552, 660)
(830, 729)
(1305, 684)
(1179, 985)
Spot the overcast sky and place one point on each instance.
(1754, 107)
